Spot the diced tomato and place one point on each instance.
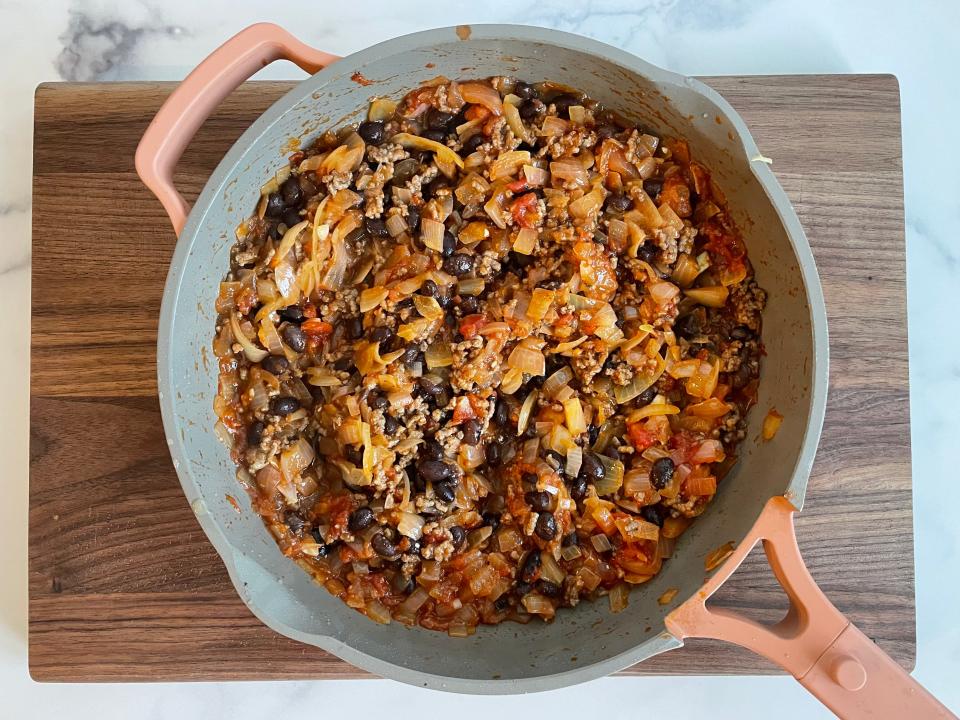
(470, 326)
(463, 410)
(524, 210)
(725, 246)
(676, 194)
(477, 112)
(640, 437)
(309, 310)
(316, 328)
(684, 444)
(517, 186)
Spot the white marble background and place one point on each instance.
(102, 40)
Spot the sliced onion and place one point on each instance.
(571, 171)
(549, 569)
(431, 233)
(416, 142)
(537, 604)
(526, 241)
(663, 292)
(295, 459)
(619, 597)
(535, 176)
(512, 379)
(612, 476)
(714, 297)
(372, 297)
(524, 417)
(512, 114)
(573, 411)
(574, 461)
(540, 302)
(508, 163)
(251, 351)
(469, 286)
(482, 94)
(587, 205)
(556, 381)
(376, 611)
(396, 225)
(553, 125)
(438, 355)
(381, 109)
(528, 360)
(428, 307)
(600, 542)
(411, 525)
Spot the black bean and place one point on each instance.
(354, 455)
(360, 519)
(501, 412)
(428, 387)
(578, 488)
(653, 514)
(343, 364)
(591, 469)
(413, 219)
(458, 535)
(372, 131)
(689, 326)
(570, 539)
(661, 473)
(619, 202)
(442, 399)
(518, 261)
(275, 364)
(529, 478)
(538, 500)
(449, 244)
(521, 588)
(434, 187)
(324, 549)
(471, 432)
(647, 396)
(435, 135)
(355, 328)
(439, 120)
(524, 90)
(291, 217)
(547, 588)
(380, 335)
(558, 460)
(493, 454)
(529, 567)
(501, 603)
(469, 305)
(356, 235)
(417, 482)
(606, 131)
(532, 109)
(741, 332)
(274, 205)
(444, 491)
(411, 355)
(593, 432)
(295, 523)
(292, 194)
(652, 187)
(255, 433)
(648, 252)
(294, 337)
(382, 546)
(377, 227)
(430, 289)
(390, 425)
(284, 405)
(563, 103)
(404, 170)
(431, 450)
(377, 401)
(458, 264)
(292, 314)
(274, 232)
(471, 144)
(435, 470)
(546, 527)
(612, 452)
(491, 518)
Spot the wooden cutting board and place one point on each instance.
(124, 585)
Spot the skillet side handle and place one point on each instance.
(201, 91)
(814, 642)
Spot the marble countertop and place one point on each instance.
(150, 40)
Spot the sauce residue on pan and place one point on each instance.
(358, 77)
(233, 501)
(463, 32)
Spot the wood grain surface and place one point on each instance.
(123, 584)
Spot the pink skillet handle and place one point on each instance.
(201, 91)
(815, 642)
